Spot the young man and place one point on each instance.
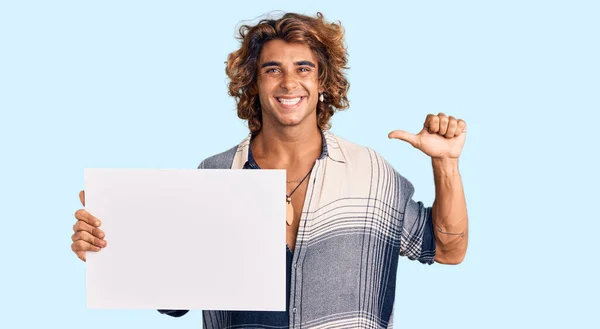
(350, 214)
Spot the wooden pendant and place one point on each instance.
(289, 218)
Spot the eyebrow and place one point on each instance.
(299, 63)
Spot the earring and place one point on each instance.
(321, 98)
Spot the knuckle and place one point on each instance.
(87, 227)
(97, 233)
(83, 226)
(80, 245)
(86, 236)
(81, 236)
(77, 227)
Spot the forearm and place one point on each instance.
(449, 212)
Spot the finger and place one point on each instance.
(82, 226)
(81, 255)
(452, 124)
(432, 123)
(405, 136)
(427, 122)
(461, 127)
(82, 197)
(87, 237)
(85, 216)
(81, 245)
(443, 124)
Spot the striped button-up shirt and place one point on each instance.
(358, 218)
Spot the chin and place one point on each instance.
(291, 117)
(290, 121)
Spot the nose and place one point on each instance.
(288, 82)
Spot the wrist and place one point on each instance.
(445, 166)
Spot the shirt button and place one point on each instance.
(294, 265)
(294, 310)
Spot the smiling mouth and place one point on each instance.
(290, 102)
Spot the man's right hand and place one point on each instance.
(87, 235)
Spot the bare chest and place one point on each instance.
(297, 205)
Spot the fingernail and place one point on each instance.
(101, 235)
(97, 223)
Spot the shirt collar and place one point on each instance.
(331, 149)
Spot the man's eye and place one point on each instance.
(304, 69)
(273, 70)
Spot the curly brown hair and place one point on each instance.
(327, 43)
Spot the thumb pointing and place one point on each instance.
(405, 136)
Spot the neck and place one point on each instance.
(284, 148)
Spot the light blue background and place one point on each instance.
(141, 84)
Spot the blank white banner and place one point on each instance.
(211, 239)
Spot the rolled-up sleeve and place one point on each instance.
(417, 240)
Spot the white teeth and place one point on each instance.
(290, 101)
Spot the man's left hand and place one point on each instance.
(442, 136)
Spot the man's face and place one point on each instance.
(288, 84)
